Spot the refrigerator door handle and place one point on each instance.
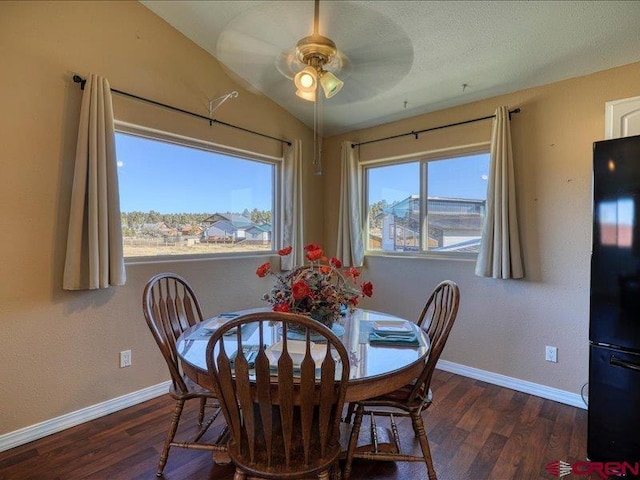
(624, 364)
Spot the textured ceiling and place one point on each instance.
(405, 58)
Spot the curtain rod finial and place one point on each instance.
(78, 79)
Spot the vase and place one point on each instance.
(324, 317)
(320, 316)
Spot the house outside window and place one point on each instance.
(434, 205)
(183, 197)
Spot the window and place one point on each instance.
(450, 220)
(187, 199)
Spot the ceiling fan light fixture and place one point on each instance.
(330, 84)
(306, 80)
(310, 96)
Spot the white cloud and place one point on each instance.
(120, 164)
(484, 177)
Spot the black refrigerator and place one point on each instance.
(614, 326)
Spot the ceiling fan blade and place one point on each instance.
(264, 39)
(374, 65)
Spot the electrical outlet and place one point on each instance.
(125, 358)
(551, 354)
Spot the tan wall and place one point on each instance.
(503, 326)
(58, 349)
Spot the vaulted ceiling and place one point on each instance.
(404, 58)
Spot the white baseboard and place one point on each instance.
(42, 429)
(550, 393)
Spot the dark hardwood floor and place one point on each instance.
(476, 430)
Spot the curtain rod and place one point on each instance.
(82, 81)
(354, 145)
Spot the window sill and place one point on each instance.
(195, 258)
(464, 257)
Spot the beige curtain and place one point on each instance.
(292, 208)
(94, 244)
(500, 255)
(350, 249)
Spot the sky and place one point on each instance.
(461, 177)
(169, 178)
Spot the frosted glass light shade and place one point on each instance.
(310, 96)
(330, 84)
(306, 80)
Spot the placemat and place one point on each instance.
(366, 328)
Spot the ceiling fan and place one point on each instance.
(316, 51)
(268, 40)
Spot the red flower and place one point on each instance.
(352, 272)
(335, 262)
(314, 254)
(367, 289)
(311, 247)
(281, 307)
(283, 252)
(300, 290)
(263, 269)
(325, 269)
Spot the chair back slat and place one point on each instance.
(263, 395)
(170, 306)
(189, 314)
(307, 390)
(327, 394)
(243, 392)
(284, 409)
(170, 309)
(436, 319)
(285, 395)
(226, 392)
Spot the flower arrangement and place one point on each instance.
(318, 289)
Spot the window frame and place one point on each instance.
(189, 142)
(423, 158)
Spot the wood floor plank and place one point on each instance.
(476, 430)
(577, 447)
(479, 409)
(484, 419)
(485, 460)
(561, 432)
(509, 462)
(507, 406)
(532, 463)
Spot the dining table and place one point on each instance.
(379, 364)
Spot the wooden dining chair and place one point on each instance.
(283, 405)
(410, 401)
(170, 306)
